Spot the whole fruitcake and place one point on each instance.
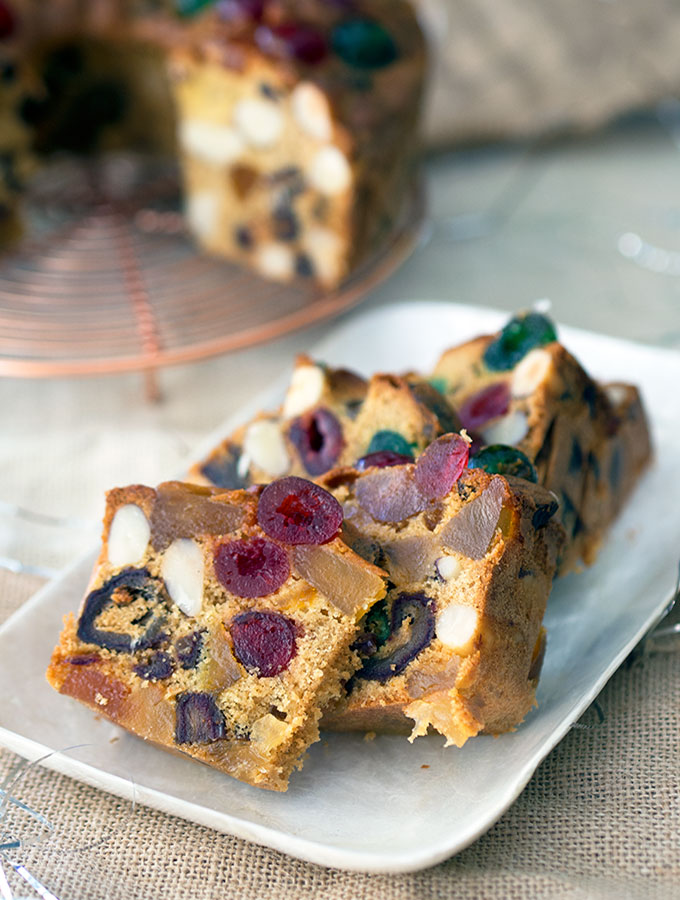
(295, 121)
(297, 130)
(218, 624)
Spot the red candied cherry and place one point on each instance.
(488, 404)
(264, 642)
(440, 466)
(297, 511)
(7, 21)
(304, 43)
(317, 436)
(381, 459)
(251, 567)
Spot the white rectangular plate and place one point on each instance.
(387, 805)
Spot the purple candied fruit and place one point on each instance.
(492, 402)
(188, 649)
(240, 10)
(198, 719)
(440, 466)
(7, 21)
(293, 40)
(296, 511)
(264, 642)
(381, 459)
(419, 610)
(251, 567)
(137, 582)
(317, 436)
(82, 659)
(159, 667)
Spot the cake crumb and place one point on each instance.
(369, 736)
(424, 766)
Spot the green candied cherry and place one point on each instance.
(390, 440)
(520, 335)
(501, 459)
(191, 7)
(363, 44)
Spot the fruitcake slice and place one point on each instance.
(218, 624)
(457, 643)
(329, 418)
(588, 442)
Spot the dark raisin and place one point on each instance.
(303, 266)
(576, 458)
(8, 71)
(417, 613)
(82, 659)
(222, 470)
(188, 649)
(544, 513)
(158, 667)
(243, 237)
(198, 719)
(137, 583)
(285, 224)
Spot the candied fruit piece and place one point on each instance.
(132, 584)
(392, 441)
(440, 465)
(317, 436)
(297, 511)
(412, 625)
(488, 404)
(264, 642)
(185, 510)
(391, 494)
(198, 719)
(237, 10)
(251, 567)
(188, 649)
(471, 530)
(518, 337)
(363, 44)
(381, 459)
(501, 459)
(159, 667)
(337, 575)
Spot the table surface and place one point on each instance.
(593, 225)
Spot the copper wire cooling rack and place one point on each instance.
(108, 281)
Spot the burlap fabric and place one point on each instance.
(524, 67)
(600, 819)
